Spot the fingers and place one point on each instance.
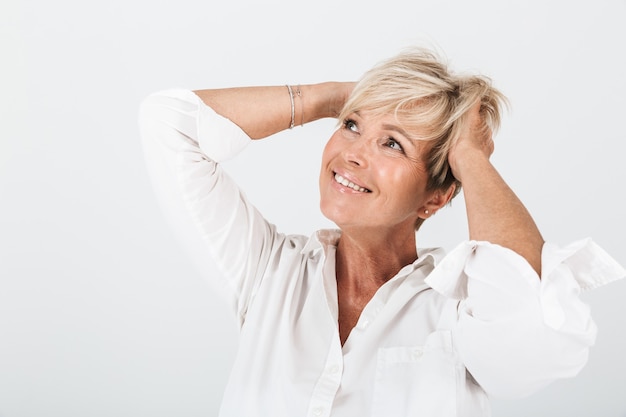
(478, 127)
(475, 134)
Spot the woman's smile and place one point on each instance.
(349, 184)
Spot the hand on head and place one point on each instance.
(475, 140)
(342, 92)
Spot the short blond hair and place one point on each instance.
(428, 99)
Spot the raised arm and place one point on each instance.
(494, 212)
(263, 111)
(185, 135)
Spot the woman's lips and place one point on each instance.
(346, 183)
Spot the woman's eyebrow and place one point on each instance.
(399, 130)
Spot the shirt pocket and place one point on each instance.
(416, 380)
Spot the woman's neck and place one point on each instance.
(371, 259)
(364, 262)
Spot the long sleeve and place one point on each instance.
(225, 235)
(516, 333)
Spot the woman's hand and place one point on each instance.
(340, 93)
(325, 99)
(494, 212)
(475, 143)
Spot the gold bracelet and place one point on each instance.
(299, 94)
(293, 107)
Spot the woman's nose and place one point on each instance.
(357, 153)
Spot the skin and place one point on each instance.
(378, 235)
(495, 214)
(263, 111)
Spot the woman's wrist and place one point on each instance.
(322, 100)
(263, 111)
(468, 162)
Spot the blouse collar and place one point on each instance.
(323, 239)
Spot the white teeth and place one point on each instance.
(341, 180)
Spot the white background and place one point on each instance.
(101, 314)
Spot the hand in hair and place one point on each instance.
(494, 213)
(342, 91)
(475, 142)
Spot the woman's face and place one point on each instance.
(373, 175)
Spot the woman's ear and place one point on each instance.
(449, 193)
(438, 199)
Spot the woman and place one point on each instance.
(359, 321)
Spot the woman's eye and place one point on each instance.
(393, 144)
(350, 125)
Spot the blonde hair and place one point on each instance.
(429, 100)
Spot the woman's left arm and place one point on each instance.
(514, 332)
(495, 214)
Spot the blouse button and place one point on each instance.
(417, 353)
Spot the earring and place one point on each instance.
(426, 211)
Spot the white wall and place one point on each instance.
(100, 312)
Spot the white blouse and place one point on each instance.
(436, 340)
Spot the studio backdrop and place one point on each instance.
(101, 312)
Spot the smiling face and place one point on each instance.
(374, 175)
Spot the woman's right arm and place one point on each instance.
(263, 111)
(185, 135)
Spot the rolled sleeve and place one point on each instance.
(515, 332)
(226, 237)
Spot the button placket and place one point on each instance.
(365, 322)
(328, 383)
(334, 369)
